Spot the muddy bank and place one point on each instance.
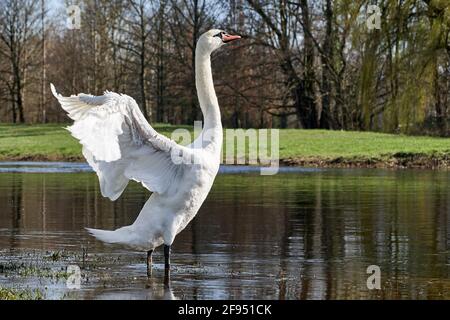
(395, 161)
(400, 160)
(41, 157)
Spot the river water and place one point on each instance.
(300, 234)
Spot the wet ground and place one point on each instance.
(301, 234)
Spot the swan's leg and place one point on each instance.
(149, 263)
(167, 278)
(167, 257)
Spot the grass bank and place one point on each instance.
(50, 142)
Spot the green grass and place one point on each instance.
(43, 142)
(52, 142)
(36, 141)
(347, 144)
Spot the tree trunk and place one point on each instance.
(43, 70)
(195, 36)
(306, 105)
(326, 118)
(142, 67)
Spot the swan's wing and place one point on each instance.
(120, 144)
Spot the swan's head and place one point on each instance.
(214, 39)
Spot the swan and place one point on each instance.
(120, 145)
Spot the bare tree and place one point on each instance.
(42, 100)
(139, 32)
(161, 60)
(18, 30)
(308, 64)
(190, 19)
(282, 24)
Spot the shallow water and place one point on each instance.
(301, 234)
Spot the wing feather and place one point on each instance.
(120, 145)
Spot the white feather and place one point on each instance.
(120, 145)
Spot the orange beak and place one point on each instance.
(228, 38)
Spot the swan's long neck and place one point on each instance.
(207, 96)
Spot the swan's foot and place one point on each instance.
(167, 257)
(149, 263)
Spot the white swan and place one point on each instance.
(120, 145)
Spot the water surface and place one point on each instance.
(301, 234)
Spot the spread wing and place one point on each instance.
(120, 144)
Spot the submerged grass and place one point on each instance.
(297, 147)
(37, 274)
(21, 294)
(32, 269)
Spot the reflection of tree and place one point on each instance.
(43, 207)
(16, 210)
(49, 203)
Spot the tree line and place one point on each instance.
(303, 63)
